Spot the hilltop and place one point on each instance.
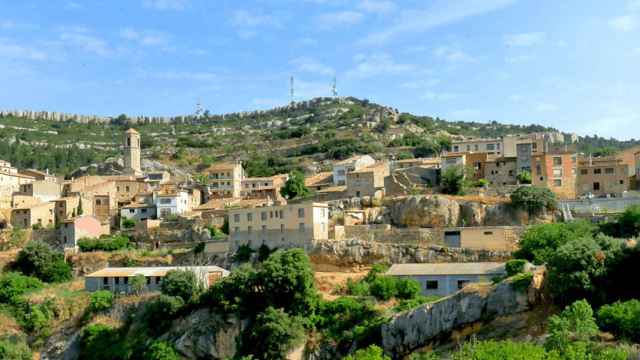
(298, 136)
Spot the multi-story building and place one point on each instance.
(41, 215)
(138, 211)
(557, 172)
(173, 203)
(478, 145)
(132, 148)
(602, 176)
(453, 159)
(478, 162)
(628, 156)
(86, 226)
(224, 180)
(10, 181)
(40, 175)
(408, 163)
(263, 187)
(524, 154)
(41, 190)
(292, 225)
(501, 171)
(368, 181)
(341, 168)
(70, 206)
(105, 208)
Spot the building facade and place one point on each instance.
(501, 171)
(263, 187)
(132, 148)
(341, 168)
(368, 181)
(607, 176)
(488, 146)
(175, 203)
(292, 225)
(40, 215)
(557, 172)
(224, 180)
(86, 226)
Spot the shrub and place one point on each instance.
(128, 223)
(101, 300)
(36, 318)
(524, 177)
(453, 181)
(384, 287)
(575, 323)
(294, 187)
(160, 350)
(13, 285)
(157, 314)
(515, 266)
(39, 260)
(243, 254)
(534, 199)
(521, 281)
(413, 303)
(495, 350)
(274, 334)
(138, 283)
(263, 252)
(14, 348)
(181, 283)
(540, 242)
(621, 319)
(407, 289)
(482, 183)
(373, 352)
(358, 288)
(100, 342)
(338, 319)
(104, 243)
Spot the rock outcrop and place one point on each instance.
(475, 304)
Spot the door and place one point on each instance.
(452, 238)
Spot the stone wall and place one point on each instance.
(387, 234)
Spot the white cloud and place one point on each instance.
(452, 54)
(624, 23)
(376, 65)
(517, 59)
(420, 84)
(377, 6)
(311, 65)
(545, 107)
(245, 19)
(12, 50)
(7, 24)
(81, 38)
(516, 98)
(439, 13)
(341, 18)
(438, 96)
(524, 39)
(166, 4)
(146, 37)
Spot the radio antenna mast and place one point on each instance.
(334, 88)
(291, 90)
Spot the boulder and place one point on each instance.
(424, 211)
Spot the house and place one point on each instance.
(447, 278)
(602, 176)
(319, 181)
(367, 181)
(224, 180)
(409, 163)
(556, 171)
(341, 168)
(628, 157)
(478, 162)
(69, 206)
(41, 190)
(138, 212)
(156, 178)
(494, 238)
(501, 171)
(105, 208)
(283, 226)
(41, 215)
(263, 187)
(173, 203)
(453, 159)
(118, 279)
(524, 157)
(478, 145)
(10, 181)
(85, 226)
(39, 175)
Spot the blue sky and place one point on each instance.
(569, 64)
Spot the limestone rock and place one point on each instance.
(424, 211)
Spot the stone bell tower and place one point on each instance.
(132, 153)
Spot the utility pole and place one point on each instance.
(291, 90)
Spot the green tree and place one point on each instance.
(181, 283)
(39, 260)
(100, 301)
(453, 180)
(540, 242)
(621, 319)
(384, 287)
(574, 324)
(80, 211)
(524, 177)
(294, 187)
(13, 285)
(138, 283)
(160, 350)
(534, 199)
(373, 352)
(274, 334)
(407, 289)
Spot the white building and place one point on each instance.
(138, 211)
(174, 203)
(341, 168)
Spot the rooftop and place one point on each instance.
(350, 159)
(151, 271)
(485, 268)
(325, 177)
(222, 166)
(132, 131)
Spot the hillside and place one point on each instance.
(301, 136)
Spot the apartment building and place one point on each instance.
(556, 171)
(341, 168)
(41, 215)
(284, 226)
(224, 180)
(602, 176)
(501, 171)
(263, 187)
(368, 181)
(476, 145)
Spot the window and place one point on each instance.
(148, 280)
(264, 228)
(621, 182)
(538, 170)
(456, 148)
(143, 210)
(301, 212)
(584, 171)
(462, 283)
(322, 212)
(165, 201)
(126, 280)
(158, 278)
(263, 216)
(281, 228)
(476, 147)
(557, 172)
(432, 284)
(249, 228)
(131, 211)
(597, 171)
(270, 214)
(596, 186)
(105, 281)
(491, 147)
(126, 188)
(557, 182)
(609, 171)
(97, 201)
(249, 217)
(281, 214)
(488, 232)
(301, 227)
(117, 280)
(236, 217)
(557, 161)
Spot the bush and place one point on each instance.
(340, 318)
(263, 252)
(295, 187)
(101, 300)
(104, 243)
(14, 285)
(534, 199)
(452, 180)
(521, 281)
(159, 313)
(384, 287)
(413, 303)
(524, 177)
(100, 342)
(128, 223)
(181, 283)
(540, 242)
(358, 288)
(39, 260)
(36, 318)
(407, 289)
(621, 319)
(243, 254)
(14, 348)
(498, 350)
(373, 352)
(482, 183)
(515, 266)
(574, 324)
(274, 334)
(160, 350)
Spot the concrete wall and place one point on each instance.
(446, 284)
(501, 172)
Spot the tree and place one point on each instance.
(574, 324)
(621, 319)
(524, 177)
(160, 350)
(453, 180)
(13, 285)
(539, 242)
(274, 334)
(534, 199)
(181, 283)
(295, 187)
(80, 211)
(39, 260)
(373, 352)
(100, 301)
(138, 283)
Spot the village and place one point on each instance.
(361, 199)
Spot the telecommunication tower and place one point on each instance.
(334, 88)
(199, 109)
(291, 90)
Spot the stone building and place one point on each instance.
(602, 176)
(478, 145)
(41, 215)
(556, 171)
(224, 180)
(368, 181)
(86, 226)
(292, 225)
(501, 171)
(343, 167)
(132, 148)
(41, 190)
(447, 278)
(263, 187)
